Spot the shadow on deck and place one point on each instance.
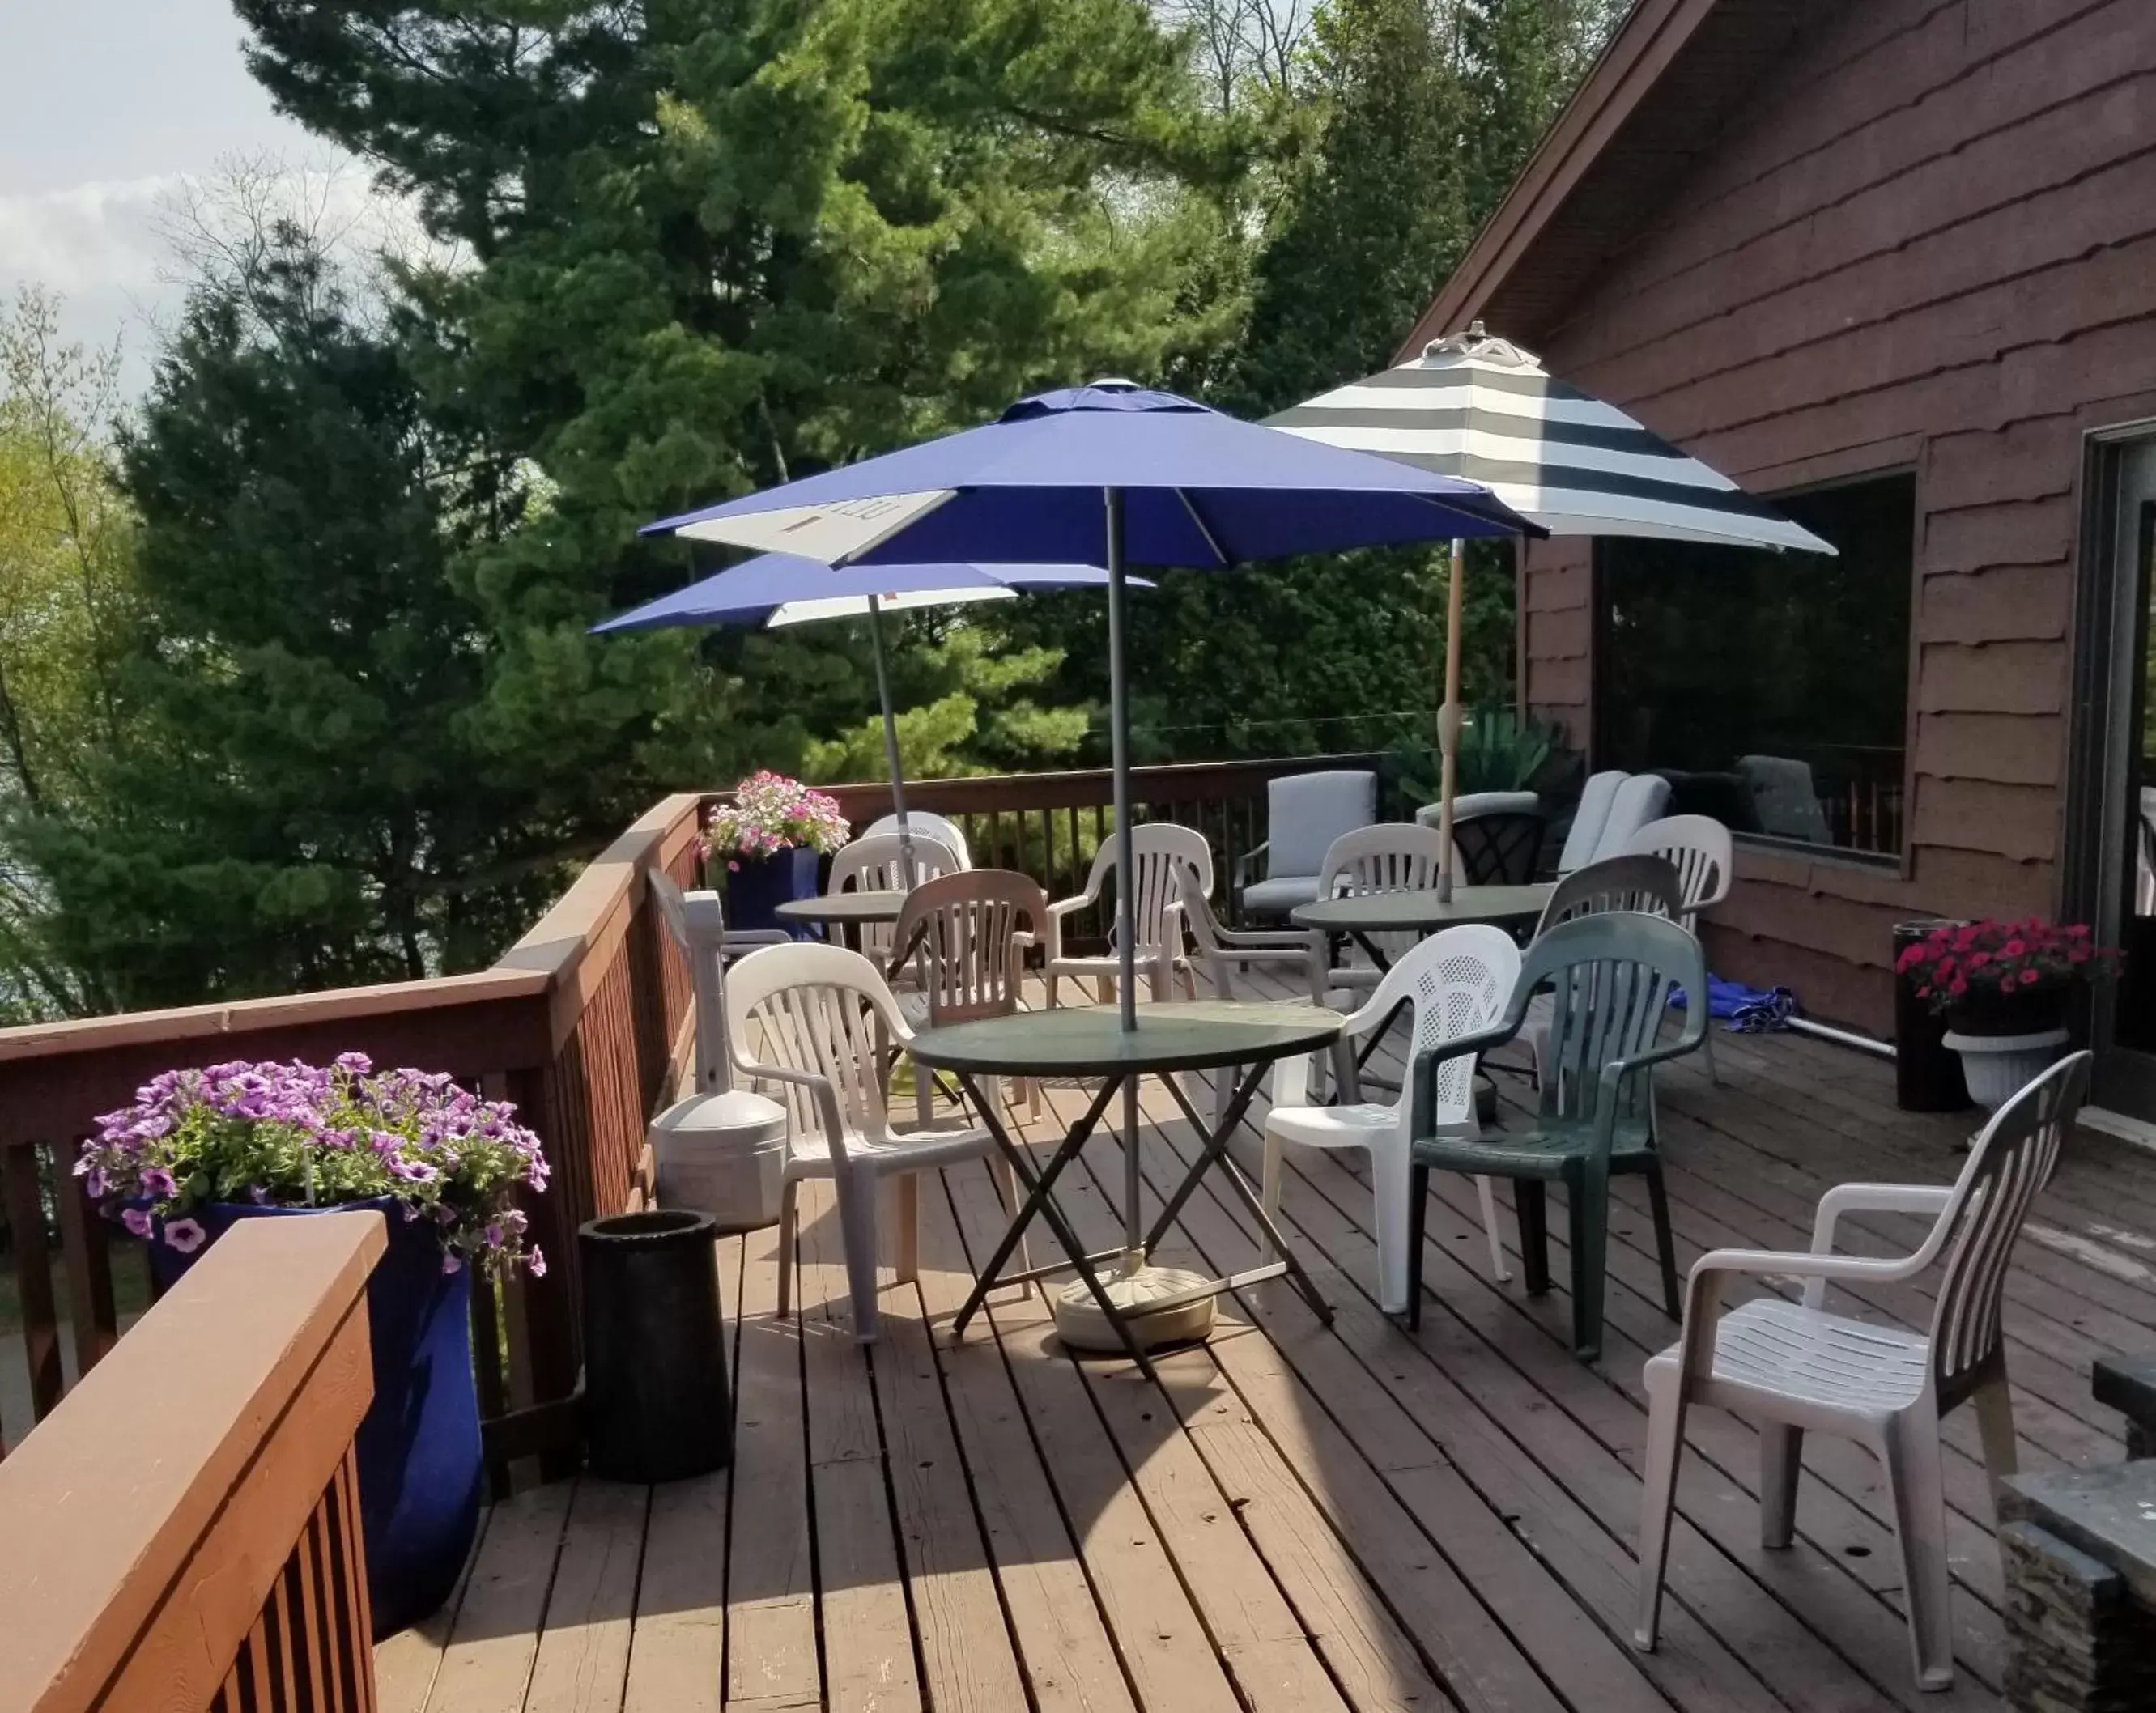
(1299, 1518)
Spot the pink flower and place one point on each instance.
(537, 1259)
(1977, 960)
(1958, 986)
(2015, 947)
(136, 1220)
(186, 1235)
(2028, 977)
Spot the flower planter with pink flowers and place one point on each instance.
(766, 845)
(200, 1150)
(2005, 989)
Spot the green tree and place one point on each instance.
(722, 243)
(299, 804)
(66, 606)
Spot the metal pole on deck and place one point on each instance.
(890, 743)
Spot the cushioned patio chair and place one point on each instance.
(1304, 813)
(1609, 978)
(1795, 1366)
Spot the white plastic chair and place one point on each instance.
(1456, 984)
(876, 862)
(813, 1021)
(924, 823)
(1216, 953)
(1304, 813)
(1699, 848)
(1794, 1366)
(1396, 857)
(1161, 851)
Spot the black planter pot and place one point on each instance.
(656, 1406)
(2029, 1013)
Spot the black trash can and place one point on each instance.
(655, 1400)
(1927, 1071)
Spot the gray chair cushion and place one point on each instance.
(1640, 799)
(1581, 843)
(1306, 811)
(1277, 896)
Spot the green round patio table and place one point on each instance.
(1420, 911)
(1088, 1041)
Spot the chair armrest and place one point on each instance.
(1265, 940)
(1931, 1199)
(826, 1096)
(1422, 1073)
(1246, 865)
(1052, 929)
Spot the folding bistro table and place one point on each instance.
(849, 911)
(1091, 1041)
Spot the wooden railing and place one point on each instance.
(1047, 825)
(184, 1533)
(576, 1024)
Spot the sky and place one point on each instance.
(106, 108)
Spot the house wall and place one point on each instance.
(1928, 240)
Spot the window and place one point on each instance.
(1771, 689)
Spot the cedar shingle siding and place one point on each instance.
(1925, 238)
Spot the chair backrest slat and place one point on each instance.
(926, 824)
(1609, 976)
(819, 1009)
(1646, 883)
(961, 937)
(1698, 847)
(1395, 857)
(2008, 1166)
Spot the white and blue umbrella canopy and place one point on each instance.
(1110, 475)
(776, 589)
(1479, 408)
(1197, 488)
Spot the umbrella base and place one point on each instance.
(1082, 1325)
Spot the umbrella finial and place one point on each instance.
(1481, 346)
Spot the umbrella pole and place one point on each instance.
(1126, 992)
(890, 743)
(1448, 717)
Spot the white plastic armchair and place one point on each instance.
(1794, 1366)
(1456, 984)
(1394, 857)
(1220, 954)
(1161, 851)
(924, 823)
(810, 1023)
(876, 862)
(1699, 848)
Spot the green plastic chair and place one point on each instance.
(1608, 977)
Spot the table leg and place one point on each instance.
(1370, 945)
(1215, 1153)
(1039, 1202)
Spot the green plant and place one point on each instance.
(1500, 749)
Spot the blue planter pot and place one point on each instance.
(420, 1470)
(756, 889)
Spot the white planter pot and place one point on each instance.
(724, 1155)
(1998, 1067)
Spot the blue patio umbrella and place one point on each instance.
(1109, 475)
(777, 589)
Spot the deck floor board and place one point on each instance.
(1298, 1517)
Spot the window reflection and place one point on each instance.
(1771, 689)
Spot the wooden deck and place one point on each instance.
(1299, 1518)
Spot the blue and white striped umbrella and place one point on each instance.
(1479, 408)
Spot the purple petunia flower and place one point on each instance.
(157, 1181)
(136, 1220)
(451, 1263)
(358, 1064)
(186, 1235)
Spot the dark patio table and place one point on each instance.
(848, 911)
(1088, 1041)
